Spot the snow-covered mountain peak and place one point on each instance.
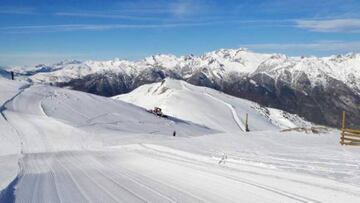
(230, 52)
(317, 70)
(166, 87)
(353, 55)
(66, 62)
(233, 53)
(162, 59)
(110, 64)
(340, 57)
(234, 60)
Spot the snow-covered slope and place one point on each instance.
(8, 90)
(41, 120)
(90, 112)
(10, 145)
(58, 145)
(209, 107)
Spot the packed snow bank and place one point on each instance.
(209, 107)
(10, 145)
(9, 140)
(9, 88)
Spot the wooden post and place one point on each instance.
(246, 123)
(343, 127)
(343, 120)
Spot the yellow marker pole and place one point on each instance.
(343, 128)
(343, 119)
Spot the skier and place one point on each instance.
(174, 133)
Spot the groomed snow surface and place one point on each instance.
(58, 145)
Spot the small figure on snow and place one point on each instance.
(174, 133)
(223, 159)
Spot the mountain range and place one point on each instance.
(316, 88)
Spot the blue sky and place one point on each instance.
(39, 31)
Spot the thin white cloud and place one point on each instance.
(169, 24)
(333, 25)
(183, 8)
(183, 19)
(146, 10)
(17, 10)
(102, 15)
(173, 23)
(175, 8)
(343, 46)
(94, 27)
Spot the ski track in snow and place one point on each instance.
(205, 167)
(3, 106)
(58, 166)
(9, 190)
(232, 109)
(200, 164)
